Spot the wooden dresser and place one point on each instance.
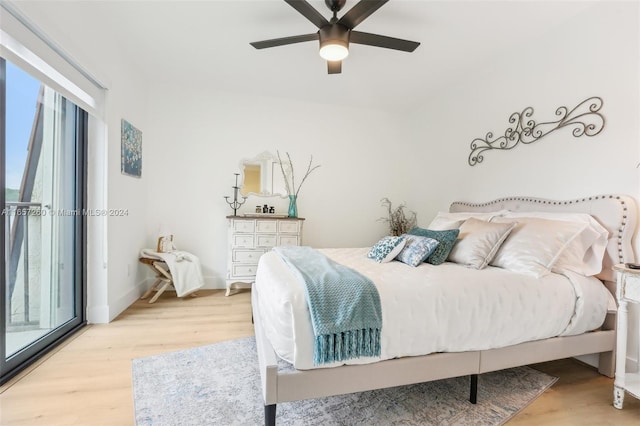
(251, 236)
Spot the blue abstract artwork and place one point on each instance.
(131, 155)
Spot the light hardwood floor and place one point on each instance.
(88, 380)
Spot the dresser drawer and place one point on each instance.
(243, 241)
(246, 256)
(288, 240)
(247, 226)
(244, 270)
(266, 240)
(266, 226)
(631, 289)
(249, 237)
(289, 226)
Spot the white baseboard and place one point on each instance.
(104, 314)
(98, 314)
(120, 305)
(213, 283)
(593, 360)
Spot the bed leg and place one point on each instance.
(473, 394)
(270, 415)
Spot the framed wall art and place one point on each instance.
(131, 150)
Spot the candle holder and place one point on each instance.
(235, 204)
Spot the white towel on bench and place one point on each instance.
(184, 268)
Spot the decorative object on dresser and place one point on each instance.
(261, 176)
(250, 236)
(627, 291)
(585, 119)
(399, 222)
(235, 204)
(290, 182)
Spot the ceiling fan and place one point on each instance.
(336, 34)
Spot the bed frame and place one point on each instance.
(617, 213)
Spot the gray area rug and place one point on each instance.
(220, 385)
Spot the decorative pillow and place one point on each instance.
(451, 220)
(585, 254)
(478, 242)
(535, 244)
(446, 239)
(386, 249)
(416, 250)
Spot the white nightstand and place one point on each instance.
(628, 291)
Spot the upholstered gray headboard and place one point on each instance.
(617, 213)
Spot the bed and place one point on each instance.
(572, 314)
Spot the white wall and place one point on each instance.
(595, 54)
(200, 136)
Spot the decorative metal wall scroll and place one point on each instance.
(585, 119)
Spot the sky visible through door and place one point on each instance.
(22, 95)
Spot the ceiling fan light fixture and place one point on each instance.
(336, 34)
(334, 42)
(333, 50)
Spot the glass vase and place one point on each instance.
(293, 206)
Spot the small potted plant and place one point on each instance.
(399, 221)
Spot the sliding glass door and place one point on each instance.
(42, 146)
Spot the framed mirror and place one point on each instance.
(262, 176)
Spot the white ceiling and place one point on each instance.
(206, 43)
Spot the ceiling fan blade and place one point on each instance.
(383, 41)
(334, 67)
(284, 40)
(309, 12)
(360, 12)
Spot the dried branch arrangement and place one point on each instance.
(290, 179)
(399, 221)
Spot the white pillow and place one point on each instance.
(535, 244)
(478, 242)
(585, 254)
(452, 220)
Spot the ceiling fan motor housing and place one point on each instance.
(334, 34)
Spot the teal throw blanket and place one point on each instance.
(344, 305)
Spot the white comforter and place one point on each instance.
(445, 308)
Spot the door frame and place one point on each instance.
(22, 359)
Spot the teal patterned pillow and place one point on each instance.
(446, 238)
(386, 249)
(417, 249)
